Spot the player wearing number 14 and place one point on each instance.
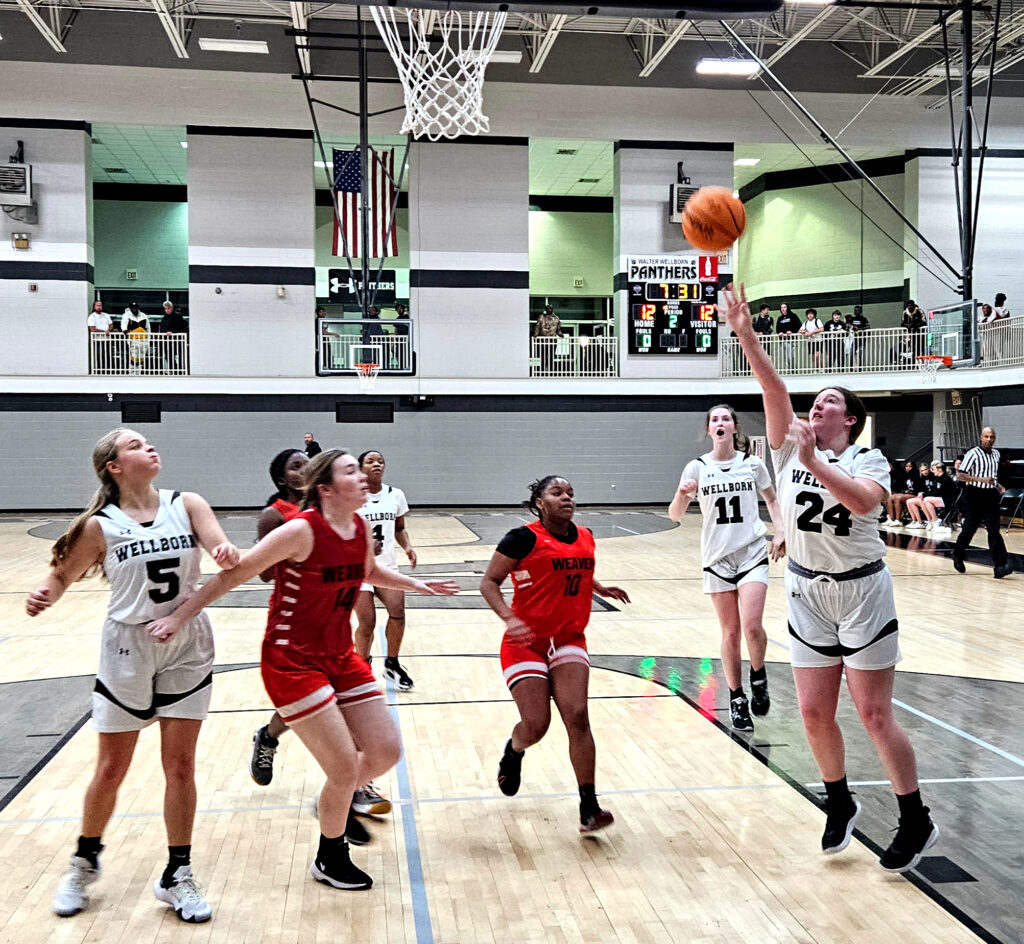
(148, 544)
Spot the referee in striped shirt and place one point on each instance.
(982, 494)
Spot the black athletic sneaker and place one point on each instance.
(340, 872)
(760, 700)
(261, 764)
(1003, 570)
(909, 843)
(355, 832)
(958, 564)
(510, 770)
(739, 711)
(839, 823)
(398, 675)
(594, 821)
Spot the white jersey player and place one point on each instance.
(148, 545)
(384, 512)
(727, 483)
(840, 600)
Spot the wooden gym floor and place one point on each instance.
(716, 836)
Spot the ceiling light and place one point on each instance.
(727, 67)
(508, 56)
(746, 161)
(939, 71)
(813, 3)
(208, 44)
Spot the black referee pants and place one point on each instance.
(982, 507)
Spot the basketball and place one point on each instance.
(713, 219)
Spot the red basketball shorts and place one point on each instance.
(301, 686)
(532, 658)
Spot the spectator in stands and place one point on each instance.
(835, 339)
(986, 317)
(99, 349)
(312, 446)
(812, 329)
(135, 324)
(99, 321)
(173, 322)
(548, 326)
(787, 326)
(858, 325)
(903, 352)
(913, 323)
(763, 325)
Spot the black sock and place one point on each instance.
(837, 793)
(588, 799)
(267, 738)
(329, 848)
(391, 661)
(177, 856)
(89, 847)
(759, 676)
(735, 693)
(911, 805)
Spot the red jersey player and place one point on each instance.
(320, 686)
(544, 650)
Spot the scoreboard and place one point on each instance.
(672, 304)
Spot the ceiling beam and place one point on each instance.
(547, 41)
(167, 22)
(665, 48)
(913, 43)
(40, 24)
(790, 44)
(300, 21)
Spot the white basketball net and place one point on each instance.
(367, 374)
(929, 367)
(443, 86)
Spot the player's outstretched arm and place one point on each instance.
(778, 410)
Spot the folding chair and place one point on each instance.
(953, 509)
(1012, 495)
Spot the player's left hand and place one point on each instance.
(438, 588)
(778, 547)
(226, 555)
(616, 593)
(164, 630)
(411, 554)
(800, 432)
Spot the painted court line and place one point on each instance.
(998, 751)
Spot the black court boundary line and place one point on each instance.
(30, 774)
(916, 880)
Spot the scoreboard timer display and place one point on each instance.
(672, 305)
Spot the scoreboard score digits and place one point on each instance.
(672, 305)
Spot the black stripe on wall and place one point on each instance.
(141, 193)
(328, 403)
(823, 174)
(48, 271)
(323, 199)
(253, 275)
(225, 132)
(556, 204)
(946, 152)
(467, 278)
(824, 302)
(484, 140)
(674, 145)
(46, 123)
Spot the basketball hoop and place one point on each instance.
(929, 365)
(367, 375)
(443, 87)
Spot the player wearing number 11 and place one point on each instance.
(148, 544)
(839, 592)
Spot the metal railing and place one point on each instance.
(1002, 343)
(142, 354)
(574, 357)
(876, 349)
(339, 353)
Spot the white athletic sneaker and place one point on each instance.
(915, 525)
(184, 896)
(71, 897)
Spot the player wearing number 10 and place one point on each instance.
(148, 545)
(839, 592)
(544, 650)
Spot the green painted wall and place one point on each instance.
(569, 246)
(808, 240)
(151, 238)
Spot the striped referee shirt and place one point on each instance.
(984, 465)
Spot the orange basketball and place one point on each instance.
(713, 219)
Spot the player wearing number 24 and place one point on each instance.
(148, 544)
(841, 612)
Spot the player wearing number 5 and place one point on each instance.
(726, 482)
(148, 545)
(384, 513)
(544, 650)
(840, 598)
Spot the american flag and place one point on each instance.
(383, 238)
